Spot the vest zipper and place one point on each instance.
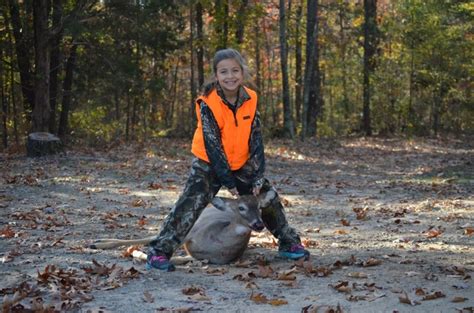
(235, 119)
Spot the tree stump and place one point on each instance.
(41, 144)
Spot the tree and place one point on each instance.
(41, 110)
(21, 33)
(312, 98)
(370, 47)
(288, 125)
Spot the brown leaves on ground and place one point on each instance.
(7, 232)
(69, 286)
(469, 231)
(321, 309)
(260, 298)
(195, 293)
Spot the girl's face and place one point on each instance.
(229, 75)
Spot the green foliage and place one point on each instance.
(133, 73)
(93, 126)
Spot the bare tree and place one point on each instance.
(41, 110)
(370, 46)
(288, 125)
(312, 99)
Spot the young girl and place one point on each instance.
(228, 150)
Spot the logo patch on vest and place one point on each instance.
(247, 117)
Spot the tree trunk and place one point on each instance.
(258, 75)
(345, 94)
(240, 20)
(12, 102)
(41, 110)
(4, 102)
(312, 82)
(192, 83)
(222, 24)
(298, 63)
(67, 93)
(55, 64)
(288, 126)
(22, 46)
(199, 44)
(127, 123)
(370, 29)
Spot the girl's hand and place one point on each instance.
(257, 186)
(256, 190)
(234, 192)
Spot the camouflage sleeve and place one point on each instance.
(214, 149)
(257, 155)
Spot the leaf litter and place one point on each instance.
(366, 209)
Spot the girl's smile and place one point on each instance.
(230, 76)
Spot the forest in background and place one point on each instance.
(97, 72)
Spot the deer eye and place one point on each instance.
(241, 208)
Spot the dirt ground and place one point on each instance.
(389, 223)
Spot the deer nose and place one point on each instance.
(257, 226)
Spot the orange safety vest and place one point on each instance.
(235, 132)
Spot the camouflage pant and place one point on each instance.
(201, 187)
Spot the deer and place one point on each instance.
(221, 233)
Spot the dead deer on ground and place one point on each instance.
(221, 233)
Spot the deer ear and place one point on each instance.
(265, 198)
(219, 203)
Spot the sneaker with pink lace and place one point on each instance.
(295, 252)
(160, 262)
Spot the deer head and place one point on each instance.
(246, 208)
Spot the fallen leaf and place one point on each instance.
(258, 298)
(371, 262)
(7, 232)
(321, 309)
(459, 299)
(251, 285)
(355, 298)
(420, 292)
(342, 286)
(242, 263)
(433, 233)
(309, 243)
(277, 302)
(286, 275)
(192, 290)
(155, 186)
(434, 295)
(345, 222)
(217, 271)
(265, 271)
(138, 203)
(340, 232)
(469, 231)
(245, 276)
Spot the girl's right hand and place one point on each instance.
(234, 192)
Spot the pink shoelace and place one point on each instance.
(158, 258)
(296, 247)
